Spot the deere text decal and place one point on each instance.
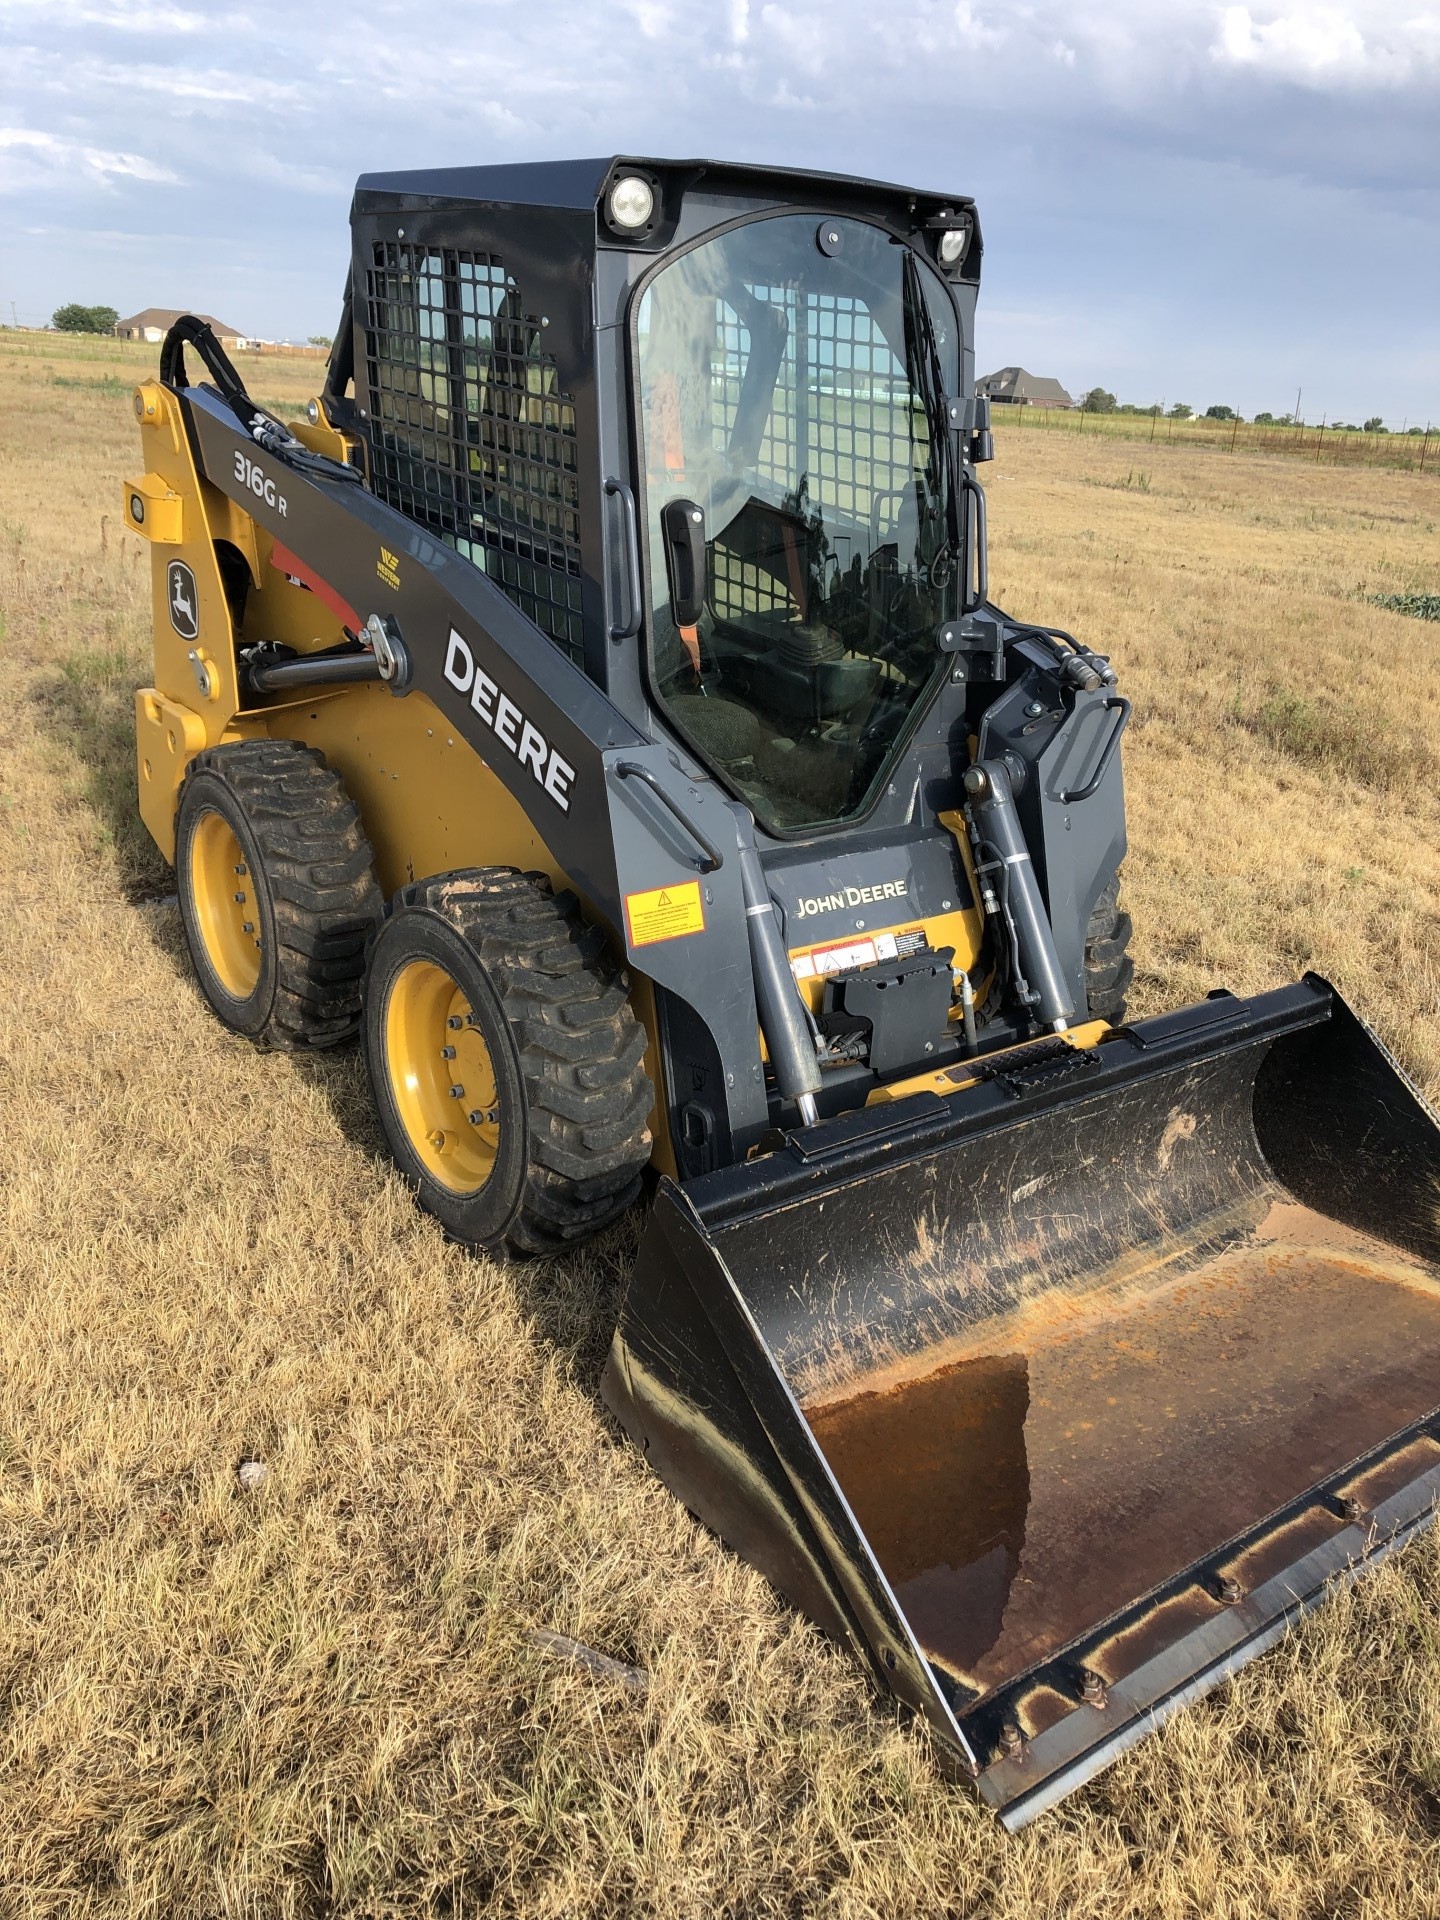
(508, 724)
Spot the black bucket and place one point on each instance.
(1058, 1397)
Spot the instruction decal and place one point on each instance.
(664, 913)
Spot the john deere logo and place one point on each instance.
(184, 601)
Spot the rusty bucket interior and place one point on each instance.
(1059, 1399)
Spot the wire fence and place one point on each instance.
(1416, 450)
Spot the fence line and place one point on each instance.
(1407, 452)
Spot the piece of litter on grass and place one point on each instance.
(635, 1679)
(252, 1474)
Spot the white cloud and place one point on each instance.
(1321, 45)
(974, 31)
(31, 161)
(121, 17)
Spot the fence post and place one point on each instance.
(1424, 446)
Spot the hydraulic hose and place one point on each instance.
(268, 432)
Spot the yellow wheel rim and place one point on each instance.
(227, 913)
(441, 1077)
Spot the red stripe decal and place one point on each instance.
(287, 562)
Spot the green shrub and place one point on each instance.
(1422, 606)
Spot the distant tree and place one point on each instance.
(1414, 433)
(1222, 413)
(1375, 424)
(77, 319)
(1264, 420)
(1180, 411)
(1097, 400)
(321, 340)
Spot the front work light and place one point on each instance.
(631, 201)
(953, 242)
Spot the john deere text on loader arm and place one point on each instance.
(596, 702)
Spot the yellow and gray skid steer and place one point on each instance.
(595, 702)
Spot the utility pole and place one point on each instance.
(1298, 392)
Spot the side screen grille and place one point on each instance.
(472, 436)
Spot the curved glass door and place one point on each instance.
(788, 392)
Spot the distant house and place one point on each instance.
(1014, 387)
(155, 322)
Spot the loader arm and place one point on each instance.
(621, 815)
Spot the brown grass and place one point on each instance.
(323, 1697)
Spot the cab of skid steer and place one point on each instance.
(712, 429)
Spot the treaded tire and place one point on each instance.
(310, 883)
(1108, 966)
(565, 1049)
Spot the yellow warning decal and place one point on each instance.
(665, 913)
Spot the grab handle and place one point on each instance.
(978, 560)
(632, 770)
(1115, 703)
(630, 626)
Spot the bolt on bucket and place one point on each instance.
(1059, 1397)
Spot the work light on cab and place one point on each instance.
(632, 201)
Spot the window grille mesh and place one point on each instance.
(842, 417)
(473, 437)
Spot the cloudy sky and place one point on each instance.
(1182, 199)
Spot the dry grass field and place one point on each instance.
(325, 1696)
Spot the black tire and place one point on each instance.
(1108, 966)
(567, 1136)
(310, 898)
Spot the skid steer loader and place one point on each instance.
(596, 701)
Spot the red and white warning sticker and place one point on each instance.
(843, 959)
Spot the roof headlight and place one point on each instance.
(632, 202)
(953, 242)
